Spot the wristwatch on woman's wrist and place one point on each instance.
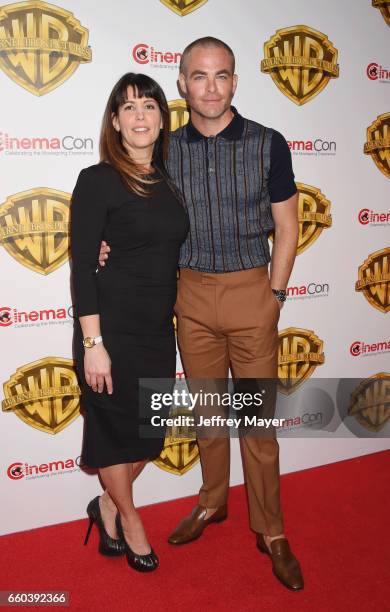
(280, 294)
(89, 342)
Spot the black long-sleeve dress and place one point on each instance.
(134, 294)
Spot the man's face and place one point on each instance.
(208, 83)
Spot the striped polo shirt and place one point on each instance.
(228, 183)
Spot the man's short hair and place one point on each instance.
(206, 41)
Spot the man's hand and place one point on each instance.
(103, 254)
(280, 304)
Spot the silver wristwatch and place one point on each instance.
(280, 294)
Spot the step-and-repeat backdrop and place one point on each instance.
(319, 72)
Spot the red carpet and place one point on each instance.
(337, 520)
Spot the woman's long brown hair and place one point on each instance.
(112, 150)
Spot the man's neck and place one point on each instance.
(211, 127)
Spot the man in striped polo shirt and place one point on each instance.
(238, 185)
(237, 182)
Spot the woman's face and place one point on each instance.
(139, 121)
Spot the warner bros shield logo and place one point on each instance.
(41, 45)
(180, 452)
(183, 7)
(44, 394)
(374, 279)
(300, 352)
(313, 214)
(370, 402)
(34, 228)
(179, 114)
(384, 7)
(301, 62)
(378, 143)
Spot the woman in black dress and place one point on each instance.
(125, 328)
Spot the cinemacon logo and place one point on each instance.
(361, 349)
(10, 316)
(367, 217)
(376, 72)
(9, 144)
(309, 418)
(146, 54)
(313, 147)
(19, 469)
(308, 290)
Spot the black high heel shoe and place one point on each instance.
(107, 546)
(141, 563)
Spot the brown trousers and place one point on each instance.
(230, 320)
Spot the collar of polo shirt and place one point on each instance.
(233, 131)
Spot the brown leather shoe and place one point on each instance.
(192, 526)
(284, 565)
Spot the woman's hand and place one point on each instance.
(97, 368)
(103, 254)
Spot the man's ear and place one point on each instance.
(235, 82)
(182, 83)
